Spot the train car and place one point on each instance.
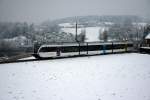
(88, 48)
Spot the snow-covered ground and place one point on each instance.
(28, 58)
(92, 33)
(104, 77)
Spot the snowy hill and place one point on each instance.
(92, 33)
(108, 77)
(95, 19)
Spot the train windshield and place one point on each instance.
(48, 49)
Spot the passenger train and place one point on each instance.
(77, 49)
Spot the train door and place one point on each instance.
(104, 48)
(82, 49)
(58, 51)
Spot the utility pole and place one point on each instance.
(76, 38)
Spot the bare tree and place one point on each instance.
(82, 36)
(103, 35)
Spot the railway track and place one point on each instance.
(18, 58)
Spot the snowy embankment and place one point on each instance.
(104, 77)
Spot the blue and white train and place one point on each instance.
(77, 49)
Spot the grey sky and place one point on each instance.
(40, 10)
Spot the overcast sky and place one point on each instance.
(41, 10)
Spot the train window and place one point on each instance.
(109, 47)
(70, 49)
(48, 49)
(83, 48)
(129, 45)
(106, 46)
(94, 47)
(119, 46)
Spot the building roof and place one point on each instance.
(148, 36)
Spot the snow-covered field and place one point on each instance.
(104, 77)
(92, 33)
